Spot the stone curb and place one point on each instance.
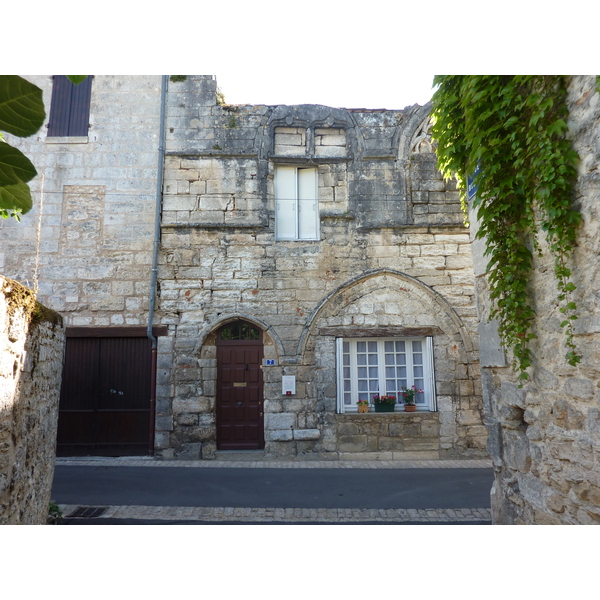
(288, 515)
(277, 464)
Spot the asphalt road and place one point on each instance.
(271, 488)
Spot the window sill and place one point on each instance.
(75, 139)
(401, 411)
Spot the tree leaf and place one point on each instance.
(15, 167)
(21, 107)
(76, 79)
(16, 197)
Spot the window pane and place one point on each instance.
(372, 346)
(285, 203)
(418, 372)
(362, 385)
(374, 386)
(400, 359)
(389, 346)
(361, 359)
(307, 204)
(417, 359)
(362, 372)
(372, 359)
(373, 372)
(361, 346)
(400, 347)
(417, 346)
(389, 359)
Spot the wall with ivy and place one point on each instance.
(543, 414)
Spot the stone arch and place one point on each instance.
(350, 291)
(416, 131)
(213, 325)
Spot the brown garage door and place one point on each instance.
(105, 397)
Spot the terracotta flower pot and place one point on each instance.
(363, 408)
(410, 408)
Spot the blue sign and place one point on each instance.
(471, 187)
(270, 362)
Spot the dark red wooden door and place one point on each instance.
(105, 397)
(240, 414)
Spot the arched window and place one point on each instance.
(239, 330)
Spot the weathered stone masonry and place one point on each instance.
(545, 437)
(393, 255)
(30, 371)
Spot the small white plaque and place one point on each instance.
(288, 385)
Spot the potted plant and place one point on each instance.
(384, 403)
(408, 397)
(363, 406)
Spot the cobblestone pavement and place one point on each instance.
(277, 515)
(284, 515)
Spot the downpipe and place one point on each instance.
(154, 276)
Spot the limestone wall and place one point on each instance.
(97, 195)
(545, 438)
(393, 252)
(30, 372)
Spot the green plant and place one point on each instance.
(220, 96)
(54, 511)
(232, 122)
(408, 395)
(390, 400)
(513, 128)
(22, 114)
(361, 402)
(177, 78)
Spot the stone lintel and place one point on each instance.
(354, 332)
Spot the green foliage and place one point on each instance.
(178, 78)
(22, 114)
(514, 128)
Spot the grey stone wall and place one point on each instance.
(30, 371)
(91, 251)
(393, 252)
(545, 437)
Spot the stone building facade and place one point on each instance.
(296, 244)
(544, 438)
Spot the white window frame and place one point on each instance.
(348, 379)
(296, 189)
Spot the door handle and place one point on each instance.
(240, 403)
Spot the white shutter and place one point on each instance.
(308, 222)
(286, 203)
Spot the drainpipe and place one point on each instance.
(152, 297)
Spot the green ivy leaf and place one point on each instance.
(15, 198)
(21, 107)
(15, 167)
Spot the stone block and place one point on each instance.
(306, 434)
(279, 435)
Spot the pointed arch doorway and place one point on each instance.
(239, 401)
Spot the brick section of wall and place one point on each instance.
(30, 371)
(545, 437)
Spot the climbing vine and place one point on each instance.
(507, 133)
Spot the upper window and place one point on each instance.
(296, 203)
(380, 366)
(69, 107)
